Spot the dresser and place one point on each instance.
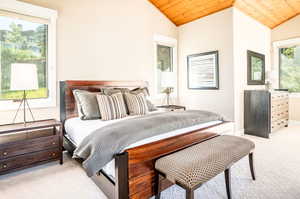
(26, 146)
(265, 111)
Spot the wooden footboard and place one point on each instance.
(141, 161)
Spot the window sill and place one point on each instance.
(34, 103)
(294, 95)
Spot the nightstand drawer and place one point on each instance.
(28, 146)
(29, 159)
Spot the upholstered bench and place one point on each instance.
(195, 165)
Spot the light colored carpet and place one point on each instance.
(277, 162)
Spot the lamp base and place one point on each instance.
(24, 101)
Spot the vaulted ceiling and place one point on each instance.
(269, 12)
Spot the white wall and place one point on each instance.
(104, 40)
(289, 30)
(214, 32)
(249, 34)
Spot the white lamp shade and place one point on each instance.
(23, 77)
(168, 79)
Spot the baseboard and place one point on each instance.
(239, 132)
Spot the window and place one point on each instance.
(22, 41)
(165, 64)
(289, 68)
(27, 36)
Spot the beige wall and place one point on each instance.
(104, 40)
(214, 32)
(248, 35)
(288, 30)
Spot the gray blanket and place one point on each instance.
(99, 147)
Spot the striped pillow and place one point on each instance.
(136, 103)
(111, 106)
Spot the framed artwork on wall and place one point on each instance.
(255, 68)
(203, 71)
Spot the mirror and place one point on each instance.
(256, 68)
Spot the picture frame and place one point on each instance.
(255, 68)
(203, 71)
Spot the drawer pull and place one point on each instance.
(4, 166)
(52, 154)
(53, 143)
(4, 153)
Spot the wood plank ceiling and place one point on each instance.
(269, 12)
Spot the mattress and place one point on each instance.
(77, 129)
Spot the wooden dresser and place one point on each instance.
(265, 111)
(26, 146)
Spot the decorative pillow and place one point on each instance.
(112, 106)
(110, 91)
(145, 91)
(87, 104)
(151, 107)
(141, 90)
(136, 103)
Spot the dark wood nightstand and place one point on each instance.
(36, 143)
(171, 107)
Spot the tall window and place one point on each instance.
(22, 41)
(289, 68)
(164, 63)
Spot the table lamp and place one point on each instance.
(168, 81)
(23, 77)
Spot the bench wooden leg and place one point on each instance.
(228, 182)
(157, 187)
(252, 166)
(189, 194)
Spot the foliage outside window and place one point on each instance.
(22, 41)
(164, 63)
(290, 68)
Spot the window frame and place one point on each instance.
(172, 43)
(50, 15)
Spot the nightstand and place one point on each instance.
(36, 143)
(171, 108)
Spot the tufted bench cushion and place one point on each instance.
(199, 163)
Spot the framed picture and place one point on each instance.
(255, 68)
(203, 71)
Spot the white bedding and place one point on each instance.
(78, 129)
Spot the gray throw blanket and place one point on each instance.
(99, 148)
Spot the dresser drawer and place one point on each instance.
(28, 159)
(28, 146)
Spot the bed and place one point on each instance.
(131, 173)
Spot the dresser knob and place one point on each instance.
(52, 154)
(5, 153)
(53, 143)
(4, 166)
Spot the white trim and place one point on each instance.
(51, 15)
(294, 122)
(171, 42)
(276, 46)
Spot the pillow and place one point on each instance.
(87, 104)
(145, 91)
(151, 107)
(110, 91)
(141, 90)
(111, 106)
(136, 103)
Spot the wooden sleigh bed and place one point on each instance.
(134, 168)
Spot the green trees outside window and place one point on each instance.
(290, 68)
(22, 42)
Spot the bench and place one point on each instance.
(191, 167)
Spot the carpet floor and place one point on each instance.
(277, 162)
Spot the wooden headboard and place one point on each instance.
(68, 108)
